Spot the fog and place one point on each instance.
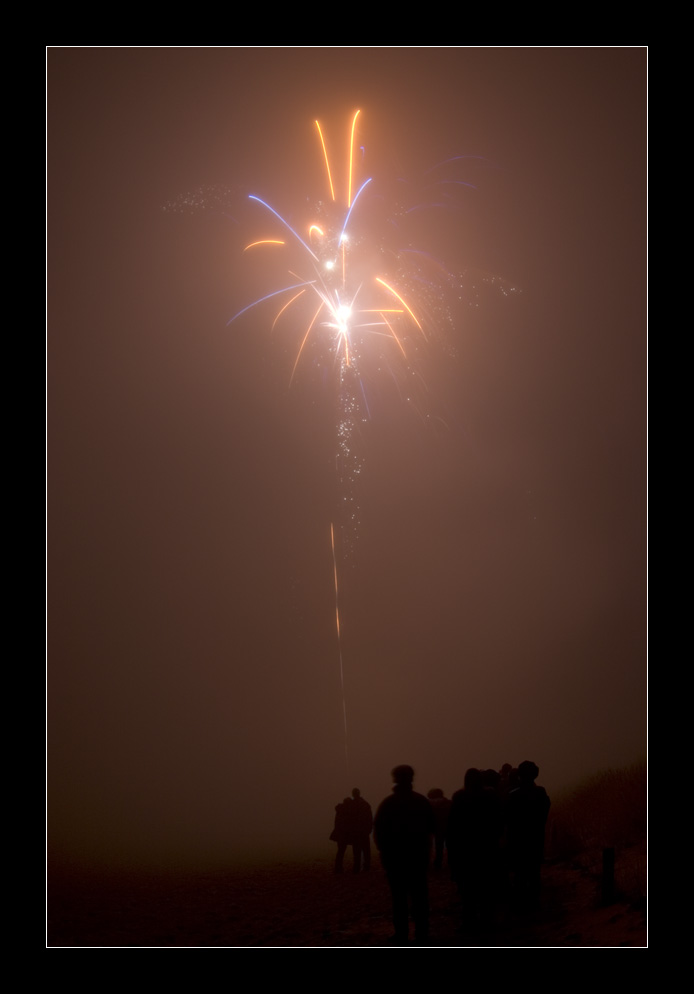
(492, 595)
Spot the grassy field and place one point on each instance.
(302, 903)
(607, 810)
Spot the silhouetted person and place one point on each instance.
(490, 778)
(503, 789)
(527, 809)
(441, 806)
(474, 830)
(342, 833)
(403, 828)
(505, 780)
(362, 823)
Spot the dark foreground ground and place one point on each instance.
(305, 905)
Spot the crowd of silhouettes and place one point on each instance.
(491, 832)
(353, 825)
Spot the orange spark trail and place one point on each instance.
(404, 304)
(283, 309)
(392, 331)
(327, 164)
(301, 347)
(351, 150)
(264, 241)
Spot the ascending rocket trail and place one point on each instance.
(339, 643)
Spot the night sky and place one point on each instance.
(493, 609)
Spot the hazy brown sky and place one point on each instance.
(494, 609)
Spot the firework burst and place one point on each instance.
(338, 294)
(353, 298)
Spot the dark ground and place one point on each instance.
(302, 904)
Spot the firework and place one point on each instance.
(347, 303)
(342, 304)
(337, 298)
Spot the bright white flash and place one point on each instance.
(342, 314)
